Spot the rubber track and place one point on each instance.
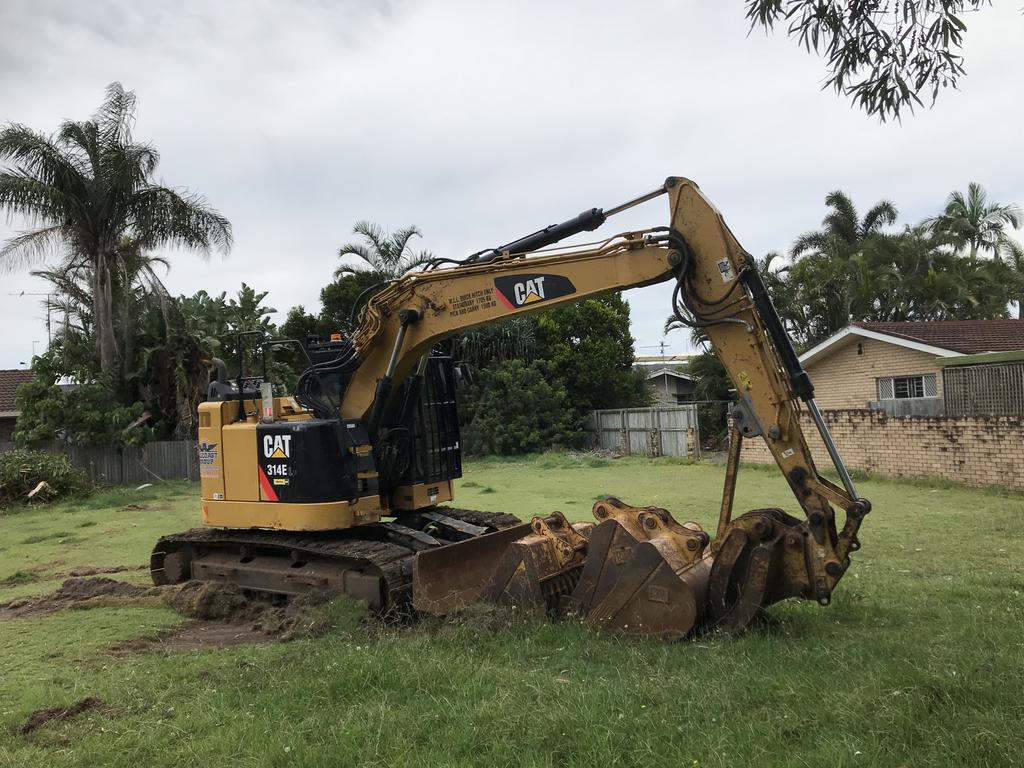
(392, 561)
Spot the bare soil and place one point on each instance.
(76, 592)
(41, 717)
(95, 570)
(224, 614)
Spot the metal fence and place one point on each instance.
(658, 431)
(163, 460)
(982, 390)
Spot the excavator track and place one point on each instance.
(373, 563)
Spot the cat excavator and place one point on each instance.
(346, 485)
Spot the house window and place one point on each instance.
(902, 387)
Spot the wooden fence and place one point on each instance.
(658, 431)
(162, 460)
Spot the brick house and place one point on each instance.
(900, 367)
(10, 380)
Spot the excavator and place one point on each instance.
(346, 485)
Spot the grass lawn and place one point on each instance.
(919, 661)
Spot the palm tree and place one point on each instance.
(1015, 258)
(386, 256)
(87, 189)
(974, 222)
(833, 262)
(844, 233)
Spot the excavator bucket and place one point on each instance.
(452, 577)
(637, 571)
(528, 566)
(645, 574)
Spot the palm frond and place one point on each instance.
(30, 247)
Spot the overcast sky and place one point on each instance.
(483, 121)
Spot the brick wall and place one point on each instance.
(847, 377)
(977, 450)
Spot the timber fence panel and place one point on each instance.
(657, 431)
(151, 463)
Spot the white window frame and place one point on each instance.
(925, 383)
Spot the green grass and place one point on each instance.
(919, 660)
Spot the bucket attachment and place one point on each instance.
(761, 559)
(645, 574)
(637, 571)
(540, 568)
(448, 578)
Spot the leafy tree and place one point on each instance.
(85, 413)
(386, 256)
(519, 410)
(87, 191)
(216, 322)
(299, 324)
(975, 223)
(587, 347)
(881, 55)
(344, 297)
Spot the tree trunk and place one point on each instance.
(103, 310)
(127, 339)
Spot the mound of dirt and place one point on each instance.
(227, 616)
(95, 570)
(41, 717)
(302, 615)
(76, 592)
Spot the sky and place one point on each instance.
(480, 122)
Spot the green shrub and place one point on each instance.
(518, 411)
(22, 470)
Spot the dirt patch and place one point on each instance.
(95, 570)
(77, 592)
(143, 507)
(197, 635)
(41, 717)
(226, 616)
(298, 616)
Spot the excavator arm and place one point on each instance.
(638, 569)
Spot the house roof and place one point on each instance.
(669, 372)
(969, 337)
(942, 338)
(662, 359)
(10, 380)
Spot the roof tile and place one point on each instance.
(10, 380)
(969, 337)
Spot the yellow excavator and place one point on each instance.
(345, 486)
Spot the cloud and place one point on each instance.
(481, 122)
